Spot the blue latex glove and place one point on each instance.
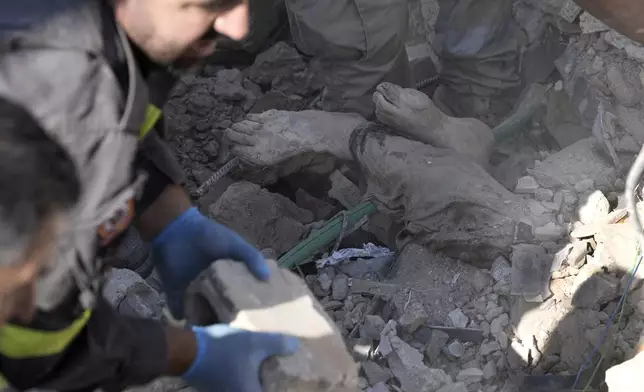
(229, 359)
(189, 244)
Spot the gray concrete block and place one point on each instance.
(228, 293)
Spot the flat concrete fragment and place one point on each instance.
(423, 333)
(285, 305)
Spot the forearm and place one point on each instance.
(172, 202)
(182, 349)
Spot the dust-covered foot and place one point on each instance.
(413, 114)
(274, 136)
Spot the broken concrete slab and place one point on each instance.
(376, 289)
(424, 333)
(372, 327)
(456, 387)
(436, 344)
(594, 208)
(228, 293)
(343, 190)
(406, 363)
(530, 271)
(581, 160)
(412, 316)
(265, 219)
(375, 373)
(361, 268)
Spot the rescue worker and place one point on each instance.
(75, 71)
(354, 44)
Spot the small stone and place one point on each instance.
(494, 313)
(526, 185)
(596, 207)
(623, 91)
(456, 387)
(332, 305)
(499, 323)
(620, 184)
(489, 348)
(584, 185)
(340, 287)
(598, 64)
(543, 194)
(489, 371)
(549, 232)
(380, 387)
(372, 327)
(458, 318)
(589, 24)
(470, 376)
(325, 278)
(436, 343)
(363, 383)
(501, 270)
(455, 350)
(375, 373)
(558, 85)
(502, 339)
(413, 316)
(485, 326)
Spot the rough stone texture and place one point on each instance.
(407, 365)
(372, 327)
(458, 318)
(526, 185)
(284, 305)
(457, 387)
(436, 343)
(265, 219)
(413, 316)
(582, 160)
(530, 270)
(594, 208)
(375, 373)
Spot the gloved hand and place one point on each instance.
(229, 359)
(189, 244)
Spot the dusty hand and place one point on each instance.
(274, 136)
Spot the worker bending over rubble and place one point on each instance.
(70, 188)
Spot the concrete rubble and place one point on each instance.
(283, 305)
(427, 321)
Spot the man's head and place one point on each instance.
(168, 30)
(38, 186)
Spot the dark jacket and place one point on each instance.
(76, 72)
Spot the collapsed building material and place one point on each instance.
(228, 293)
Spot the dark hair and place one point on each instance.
(37, 176)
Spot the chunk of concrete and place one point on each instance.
(228, 293)
(584, 159)
(530, 270)
(265, 219)
(412, 317)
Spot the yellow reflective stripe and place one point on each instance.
(152, 115)
(19, 342)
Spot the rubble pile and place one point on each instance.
(203, 104)
(423, 322)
